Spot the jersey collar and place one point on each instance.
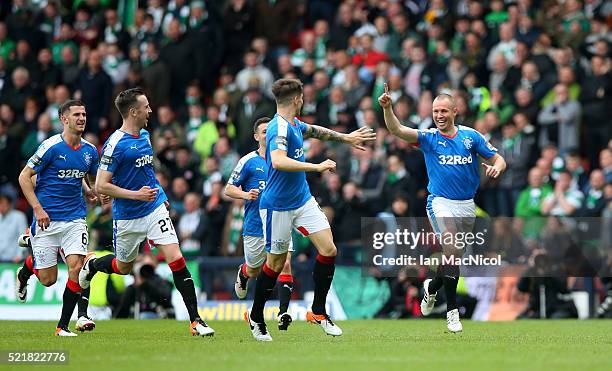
(132, 135)
(284, 119)
(451, 136)
(71, 147)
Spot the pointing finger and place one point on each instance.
(386, 88)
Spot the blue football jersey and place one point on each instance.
(285, 190)
(452, 162)
(60, 170)
(251, 172)
(130, 159)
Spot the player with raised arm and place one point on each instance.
(451, 158)
(247, 182)
(60, 165)
(126, 174)
(286, 203)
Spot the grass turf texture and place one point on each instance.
(366, 345)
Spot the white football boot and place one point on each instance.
(429, 300)
(85, 323)
(452, 321)
(239, 288)
(64, 331)
(259, 330)
(325, 322)
(200, 328)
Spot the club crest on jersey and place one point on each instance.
(468, 142)
(87, 158)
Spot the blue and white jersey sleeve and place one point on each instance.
(426, 139)
(43, 156)
(276, 136)
(111, 153)
(240, 173)
(483, 148)
(301, 125)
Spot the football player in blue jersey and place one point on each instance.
(286, 203)
(247, 182)
(60, 165)
(126, 174)
(451, 158)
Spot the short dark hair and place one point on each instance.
(259, 121)
(286, 89)
(127, 99)
(448, 97)
(65, 107)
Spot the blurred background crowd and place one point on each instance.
(534, 77)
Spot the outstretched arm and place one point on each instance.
(408, 134)
(356, 139)
(105, 187)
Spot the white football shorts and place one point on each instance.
(451, 215)
(277, 225)
(65, 237)
(128, 234)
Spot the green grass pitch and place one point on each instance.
(366, 345)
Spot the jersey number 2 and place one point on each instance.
(163, 225)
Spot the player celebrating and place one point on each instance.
(251, 173)
(60, 165)
(287, 203)
(451, 157)
(127, 175)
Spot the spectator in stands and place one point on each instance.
(177, 55)
(367, 58)
(354, 207)
(9, 146)
(254, 69)
(516, 150)
(207, 133)
(252, 105)
(226, 156)
(397, 179)
(19, 90)
(188, 225)
(12, 224)
(46, 73)
(564, 201)
(238, 26)
(95, 88)
(596, 99)
(530, 199)
(594, 199)
(561, 121)
(155, 76)
(35, 138)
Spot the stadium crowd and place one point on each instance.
(534, 77)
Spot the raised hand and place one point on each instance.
(360, 136)
(385, 99)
